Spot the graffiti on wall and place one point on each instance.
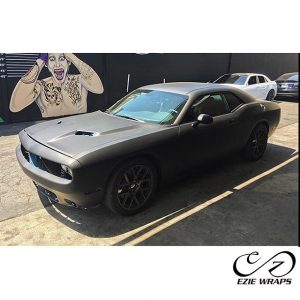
(61, 93)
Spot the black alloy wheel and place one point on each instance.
(135, 187)
(132, 187)
(257, 143)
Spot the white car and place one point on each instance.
(257, 85)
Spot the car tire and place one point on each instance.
(257, 143)
(271, 95)
(131, 187)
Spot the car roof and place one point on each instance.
(184, 88)
(290, 74)
(194, 88)
(249, 74)
(287, 75)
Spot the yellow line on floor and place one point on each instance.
(178, 218)
(244, 184)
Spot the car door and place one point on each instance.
(201, 143)
(252, 86)
(263, 88)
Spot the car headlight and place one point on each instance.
(67, 169)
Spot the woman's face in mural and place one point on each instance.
(58, 66)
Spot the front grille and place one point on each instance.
(25, 153)
(288, 83)
(45, 164)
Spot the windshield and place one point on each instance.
(150, 106)
(292, 77)
(233, 79)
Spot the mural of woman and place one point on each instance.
(61, 93)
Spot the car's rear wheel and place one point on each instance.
(271, 95)
(131, 187)
(257, 143)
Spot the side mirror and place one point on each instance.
(203, 119)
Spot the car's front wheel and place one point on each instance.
(257, 143)
(131, 187)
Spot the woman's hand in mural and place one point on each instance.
(43, 57)
(70, 57)
(89, 77)
(28, 89)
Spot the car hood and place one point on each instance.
(79, 134)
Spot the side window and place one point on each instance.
(233, 101)
(261, 79)
(252, 80)
(212, 104)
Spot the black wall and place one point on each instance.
(270, 64)
(144, 69)
(154, 68)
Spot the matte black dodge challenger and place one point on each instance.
(119, 157)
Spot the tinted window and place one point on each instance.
(233, 101)
(294, 78)
(252, 80)
(213, 105)
(261, 79)
(233, 79)
(288, 77)
(151, 106)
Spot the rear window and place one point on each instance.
(261, 79)
(252, 80)
(233, 101)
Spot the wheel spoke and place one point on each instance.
(138, 172)
(133, 173)
(126, 178)
(143, 194)
(136, 200)
(125, 200)
(144, 175)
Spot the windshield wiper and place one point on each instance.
(130, 118)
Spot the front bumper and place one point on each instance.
(76, 192)
(287, 94)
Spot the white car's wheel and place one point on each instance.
(271, 95)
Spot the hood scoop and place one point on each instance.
(86, 133)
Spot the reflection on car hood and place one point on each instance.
(78, 134)
(232, 84)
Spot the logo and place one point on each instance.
(252, 269)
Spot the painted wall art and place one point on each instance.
(59, 94)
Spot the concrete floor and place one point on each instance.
(233, 203)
